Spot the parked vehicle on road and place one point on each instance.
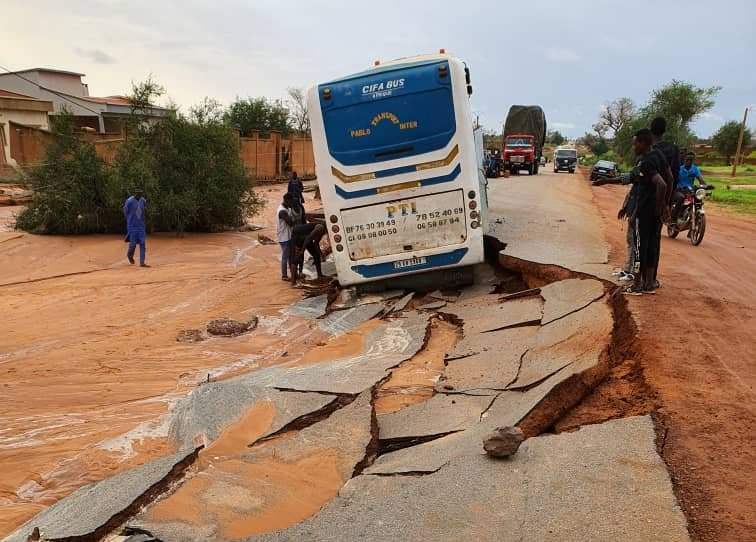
(691, 216)
(565, 159)
(542, 161)
(401, 180)
(604, 169)
(524, 136)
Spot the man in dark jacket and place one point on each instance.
(649, 211)
(296, 189)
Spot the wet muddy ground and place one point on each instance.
(303, 424)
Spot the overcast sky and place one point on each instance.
(569, 56)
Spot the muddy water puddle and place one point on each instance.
(414, 380)
(89, 362)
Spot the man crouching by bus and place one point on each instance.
(305, 237)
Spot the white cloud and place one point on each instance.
(95, 55)
(562, 125)
(712, 116)
(562, 55)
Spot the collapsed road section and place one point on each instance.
(300, 450)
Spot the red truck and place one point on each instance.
(519, 152)
(524, 136)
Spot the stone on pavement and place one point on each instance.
(91, 507)
(212, 407)
(226, 327)
(386, 346)
(342, 321)
(603, 483)
(310, 307)
(503, 441)
(273, 485)
(566, 296)
(440, 414)
(578, 339)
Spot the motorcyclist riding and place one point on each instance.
(689, 172)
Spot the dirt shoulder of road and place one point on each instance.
(695, 348)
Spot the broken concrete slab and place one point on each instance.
(545, 230)
(386, 346)
(212, 407)
(602, 483)
(342, 321)
(310, 307)
(433, 305)
(509, 408)
(495, 315)
(440, 414)
(89, 511)
(493, 365)
(566, 296)
(579, 338)
(438, 294)
(271, 486)
(400, 304)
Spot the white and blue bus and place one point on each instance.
(402, 187)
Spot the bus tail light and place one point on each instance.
(335, 229)
(337, 238)
(471, 194)
(334, 219)
(339, 248)
(473, 204)
(474, 224)
(474, 215)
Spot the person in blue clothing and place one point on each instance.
(689, 172)
(136, 233)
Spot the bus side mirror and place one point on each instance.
(469, 90)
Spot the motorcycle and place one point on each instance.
(691, 215)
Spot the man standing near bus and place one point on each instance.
(283, 231)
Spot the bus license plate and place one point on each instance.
(411, 262)
(407, 225)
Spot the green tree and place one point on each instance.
(596, 143)
(298, 109)
(555, 138)
(682, 101)
(188, 166)
(725, 140)
(614, 115)
(261, 114)
(70, 186)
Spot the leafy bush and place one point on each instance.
(189, 169)
(71, 187)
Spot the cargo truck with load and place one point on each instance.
(523, 138)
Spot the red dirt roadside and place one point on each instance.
(696, 344)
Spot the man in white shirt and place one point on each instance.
(283, 230)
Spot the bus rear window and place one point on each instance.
(389, 115)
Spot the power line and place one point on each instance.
(59, 95)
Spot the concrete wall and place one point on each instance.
(63, 82)
(27, 144)
(36, 119)
(274, 156)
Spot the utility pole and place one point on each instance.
(740, 142)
